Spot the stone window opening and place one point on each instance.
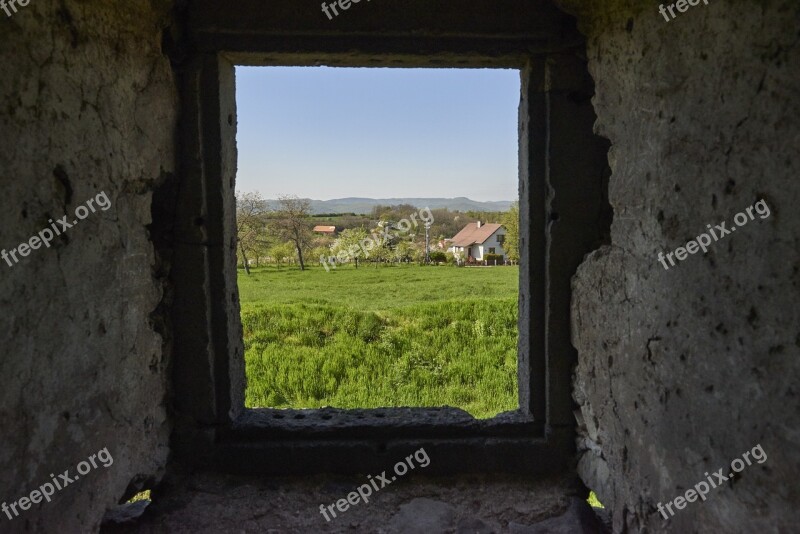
(214, 430)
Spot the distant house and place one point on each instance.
(325, 230)
(477, 239)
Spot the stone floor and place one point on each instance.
(206, 503)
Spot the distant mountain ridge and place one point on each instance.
(365, 205)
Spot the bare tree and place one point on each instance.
(290, 223)
(251, 213)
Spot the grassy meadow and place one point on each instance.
(379, 337)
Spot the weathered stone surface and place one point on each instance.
(682, 371)
(421, 516)
(474, 525)
(88, 106)
(201, 503)
(578, 519)
(126, 513)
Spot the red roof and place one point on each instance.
(472, 235)
(325, 229)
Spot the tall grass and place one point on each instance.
(378, 352)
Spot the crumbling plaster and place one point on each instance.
(88, 106)
(682, 371)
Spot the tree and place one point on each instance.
(349, 244)
(251, 219)
(378, 210)
(404, 251)
(511, 223)
(380, 254)
(281, 252)
(290, 223)
(322, 252)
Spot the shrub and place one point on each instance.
(438, 257)
(491, 258)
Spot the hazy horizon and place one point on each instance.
(239, 190)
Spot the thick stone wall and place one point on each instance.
(681, 371)
(88, 107)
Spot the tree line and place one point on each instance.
(284, 234)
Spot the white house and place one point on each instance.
(476, 240)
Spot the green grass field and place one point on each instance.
(379, 337)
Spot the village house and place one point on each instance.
(325, 230)
(477, 239)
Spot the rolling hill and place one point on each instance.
(365, 205)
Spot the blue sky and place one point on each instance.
(324, 133)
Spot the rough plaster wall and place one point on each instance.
(84, 89)
(682, 371)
